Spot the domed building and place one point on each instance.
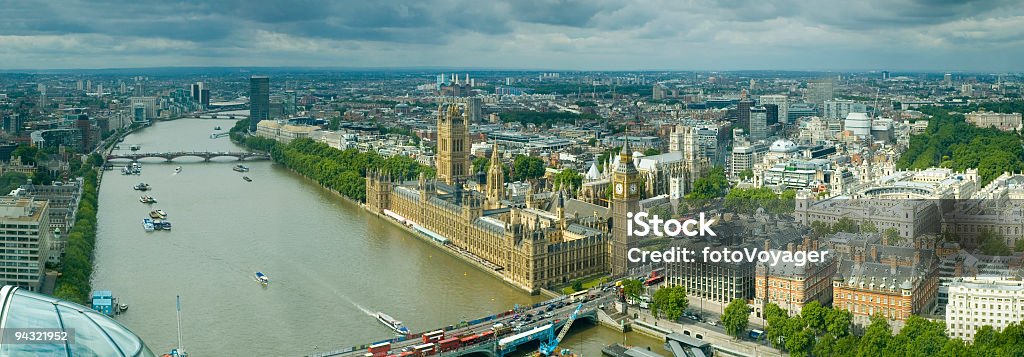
(783, 146)
(95, 334)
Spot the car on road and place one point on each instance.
(548, 315)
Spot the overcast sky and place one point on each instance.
(925, 35)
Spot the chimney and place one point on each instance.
(917, 257)
(874, 253)
(892, 266)
(767, 245)
(791, 247)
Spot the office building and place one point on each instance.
(200, 94)
(24, 241)
(790, 286)
(743, 114)
(714, 281)
(891, 281)
(259, 100)
(63, 199)
(781, 101)
(758, 118)
(976, 302)
(801, 110)
(838, 109)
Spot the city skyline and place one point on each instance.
(940, 36)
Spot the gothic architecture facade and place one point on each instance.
(548, 242)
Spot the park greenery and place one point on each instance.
(527, 168)
(748, 200)
(76, 266)
(568, 179)
(670, 302)
(713, 185)
(825, 332)
(341, 170)
(11, 180)
(951, 142)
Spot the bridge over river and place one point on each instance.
(206, 156)
(478, 336)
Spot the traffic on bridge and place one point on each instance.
(495, 335)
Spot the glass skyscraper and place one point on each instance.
(259, 100)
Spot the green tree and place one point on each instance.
(569, 180)
(845, 224)
(800, 343)
(892, 235)
(577, 285)
(670, 301)
(837, 322)
(868, 227)
(876, 338)
(815, 315)
(746, 174)
(736, 317)
(773, 310)
(992, 243)
(632, 289)
(652, 152)
(711, 186)
(481, 164)
(527, 168)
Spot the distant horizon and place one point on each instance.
(494, 69)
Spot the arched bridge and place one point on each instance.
(206, 156)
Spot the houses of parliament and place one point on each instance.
(543, 240)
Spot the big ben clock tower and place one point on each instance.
(625, 199)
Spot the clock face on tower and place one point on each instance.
(618, 188)
(632, 188)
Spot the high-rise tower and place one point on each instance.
(452, 143)
(259, 100)
(625, 200)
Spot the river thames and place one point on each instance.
(331, 264)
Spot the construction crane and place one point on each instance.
(546, 349)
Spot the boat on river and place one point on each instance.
(262, 278)
(391, 323)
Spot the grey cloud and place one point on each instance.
(537, 33)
